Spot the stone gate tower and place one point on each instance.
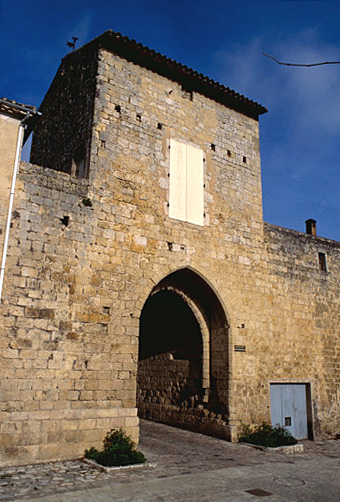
(142, 280)
(175, 159)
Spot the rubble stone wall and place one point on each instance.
(65, 125)
(165, 380)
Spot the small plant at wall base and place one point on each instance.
(266, 435)
(119, 449)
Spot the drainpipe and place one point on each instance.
(11, 198)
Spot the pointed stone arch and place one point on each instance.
(192, 389)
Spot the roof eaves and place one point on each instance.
(20, 111)
(14, 108)
(144, 56)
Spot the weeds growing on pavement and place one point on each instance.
(265, 435)
(118, 449)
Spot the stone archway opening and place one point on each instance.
(170, 355)
(183, 370)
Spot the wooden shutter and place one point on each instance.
(186, 198)
(195, 189)
(178, 180)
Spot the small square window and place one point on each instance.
(322, 262)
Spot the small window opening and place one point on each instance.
(322, 262)
(117, 108)
(244, 160)
(106, 310)
(229, 153)
(187, 93)
(78, 162)
(213, 147)
(288, 421)
(139, 117)
(87, 202)
(65, 220)
(159, 126)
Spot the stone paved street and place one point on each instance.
(183, 458)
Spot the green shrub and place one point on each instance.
(118, 449)
(92, 453)
(266, 435)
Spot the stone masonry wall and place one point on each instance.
(65, 126)
(260, 298)
(130, 159)
(67, 369)
(75, 286)
(305, 303)
(169, 391)
(84, 257)
(165, 380)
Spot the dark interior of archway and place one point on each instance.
(170, 353)
(169, 325)
(193, 286)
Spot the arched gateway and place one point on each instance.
(183, 355)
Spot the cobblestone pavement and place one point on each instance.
(176, 452)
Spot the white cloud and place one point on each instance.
(308, 97)
(300, 134)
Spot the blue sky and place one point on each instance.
(300, 136)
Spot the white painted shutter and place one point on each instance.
(195, 189)
(178, 180)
